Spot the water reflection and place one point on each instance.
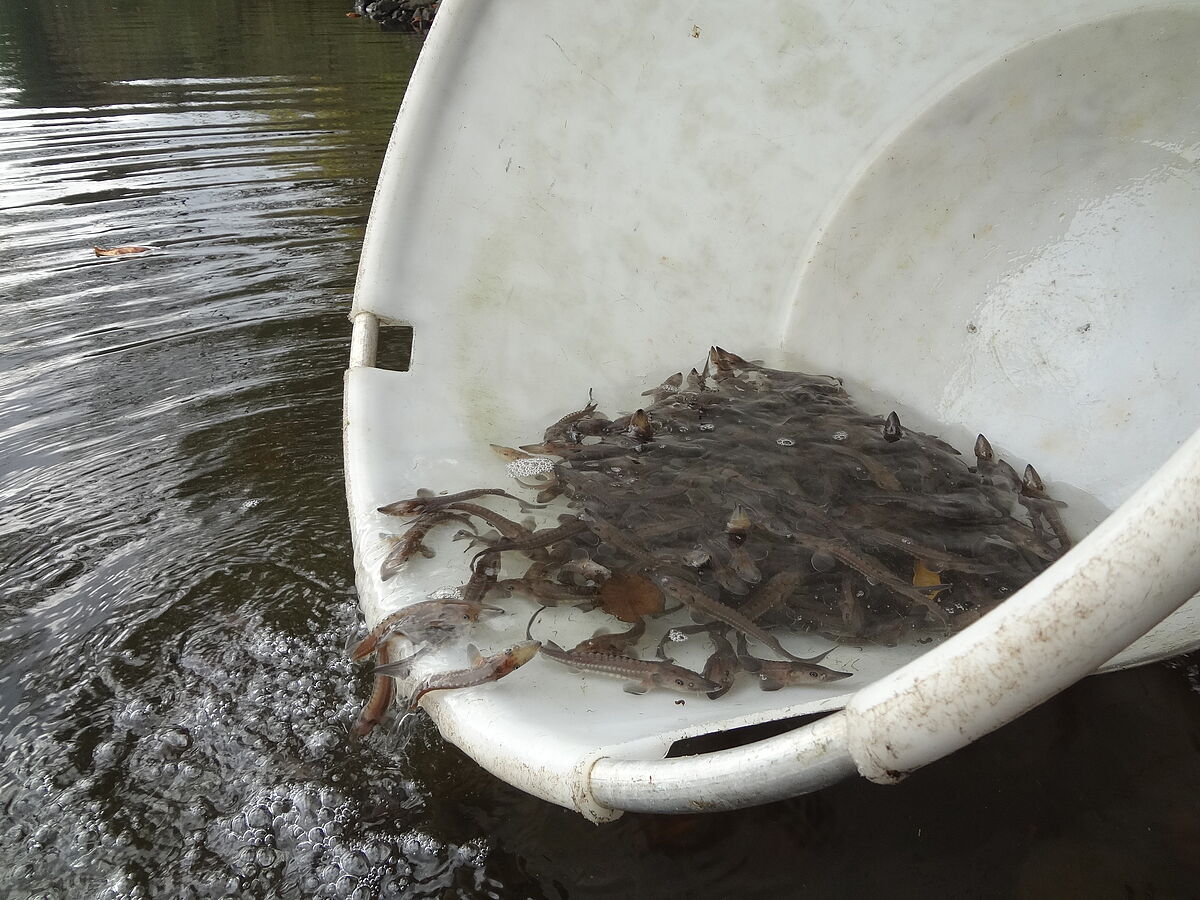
(173, 688)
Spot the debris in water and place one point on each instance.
(119, 251)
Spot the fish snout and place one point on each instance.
(524, 652)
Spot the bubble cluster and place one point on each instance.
(530, 466)
(234, 771)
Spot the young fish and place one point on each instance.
(722, 666)
(510, 454)
(482, 670)
(739, 522)
(781, 586)
(422, 621)
(743, 565)
(961, 506)
(873, 569)
(892, 430)
(703, 605)
(773, 674)
(943, 558)
(586, 570)
(668, 388)
(851, 608)
(640, 675)
(377, 705)
(483, 579)
(616, 537)
(411, 541)
(427, 500)
(534, 540)
(553, 593)
(612, 642)
(558, 431)
(879, 473)
(641, 429)
(720, 561)
(513, 531)
(1034, 498)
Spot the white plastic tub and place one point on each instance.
(986, 213)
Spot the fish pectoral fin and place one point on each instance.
(474, 657)
(426, 552)
(812, 660)
(636, 687)
(767, 683)
(400, 669)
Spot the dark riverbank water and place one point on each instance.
(175, 571)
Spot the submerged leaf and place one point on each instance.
(629, 597)
(924, 577)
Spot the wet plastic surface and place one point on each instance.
(572, 237)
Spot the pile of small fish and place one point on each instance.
(758, 500)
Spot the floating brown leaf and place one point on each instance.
(629, 597)
(119, 251)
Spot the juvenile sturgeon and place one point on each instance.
(722, 666)
(513, 531)
(482, 670)
(616, 537)
(773, 674)
(558, 431)
(612, 642)
(779, 588)
(739, 522)
(872, 569)
(587, 569)
(411, 541)
(943, 558)
(548, 592)
(892, 430)
(704, 605)
(639, 675)
(1034, 498)
(534, 540)
(420, 621)
(427, 500)
(743, 564)
(668, 388)
(641, 429)
(720, 562)
(376, 708)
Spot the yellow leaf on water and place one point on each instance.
(923, 577)
(119, 251)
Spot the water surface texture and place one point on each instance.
(175, 568)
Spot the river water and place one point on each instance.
(175, 569)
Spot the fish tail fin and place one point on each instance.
(529, 626)
(363, 648)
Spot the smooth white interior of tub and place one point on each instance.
(591, 202)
